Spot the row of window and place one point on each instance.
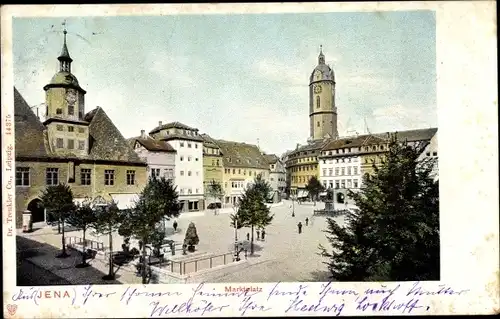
(341, 171)
(352, 149)
(301, 179)
(304, 168)
(52, 176)
(237, 184)
(189, 173)
(208, 150)
(188, 191)
(71, 110)
(341, 160)
(189, 158)
(230, 160)
(305, 160)
(343, 183)
(70, 144)
(280, 179)
(169, 172)
(250, 173)
(182, 132)
(71, 128)
(189, 145)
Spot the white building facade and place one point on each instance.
(159, 155)
(188, 162)
(342, 172)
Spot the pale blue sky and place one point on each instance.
(240, 77)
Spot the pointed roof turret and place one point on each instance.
(321, 57)
(64, 52)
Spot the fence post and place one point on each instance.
(224, 259)
(171, 266)
(210, 262)
(184, 268)
(195, 265)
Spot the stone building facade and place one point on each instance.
(84, 150)
(242, 163)
(213, 167)
(322, 109)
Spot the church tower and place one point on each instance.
(322, 110)
(68, 132)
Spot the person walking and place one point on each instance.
(307, 221)
(299, 225)
(263, 234)
(175, 226)
(248, 236)
(258, 234)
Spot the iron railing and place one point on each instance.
(181, 266)
(89, 244)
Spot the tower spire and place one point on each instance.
(64, 58)
(321, 57)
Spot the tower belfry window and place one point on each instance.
(318, 102)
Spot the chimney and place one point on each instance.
(143, 134)
(159, 123)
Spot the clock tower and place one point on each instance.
(322, 110)
(64, 118)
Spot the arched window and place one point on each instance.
(318, 124)
(318, 104)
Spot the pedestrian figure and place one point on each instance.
(175, 226)
(258, 234)
(299, 225)
(293, 214)
(263, 234)
(248, 236)
(307, 221)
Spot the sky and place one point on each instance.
(240, 77)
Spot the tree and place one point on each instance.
(314, 188)
(191, 238)
(108, 220)
(394, 234)
(215, 191)
(58, 200)
(252, 212)
(82, 218)
(262, 186)
(158, 200)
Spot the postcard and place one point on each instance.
(178, 160)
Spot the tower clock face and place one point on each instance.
(317, 89)
(71, 97)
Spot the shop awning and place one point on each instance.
(124, 201)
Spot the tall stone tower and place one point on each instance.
(68, 132)
(322, 110)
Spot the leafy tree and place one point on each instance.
(108, 220)
(191, 238)
(252, 212)
(314, 188)
(394, 234)
(58, 200)
(82, 218)
(262, 186)
(158, 200)
(215, 191)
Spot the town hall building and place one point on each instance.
(83, 150)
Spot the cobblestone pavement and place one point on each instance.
(285, 255)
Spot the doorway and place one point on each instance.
(37, 210)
